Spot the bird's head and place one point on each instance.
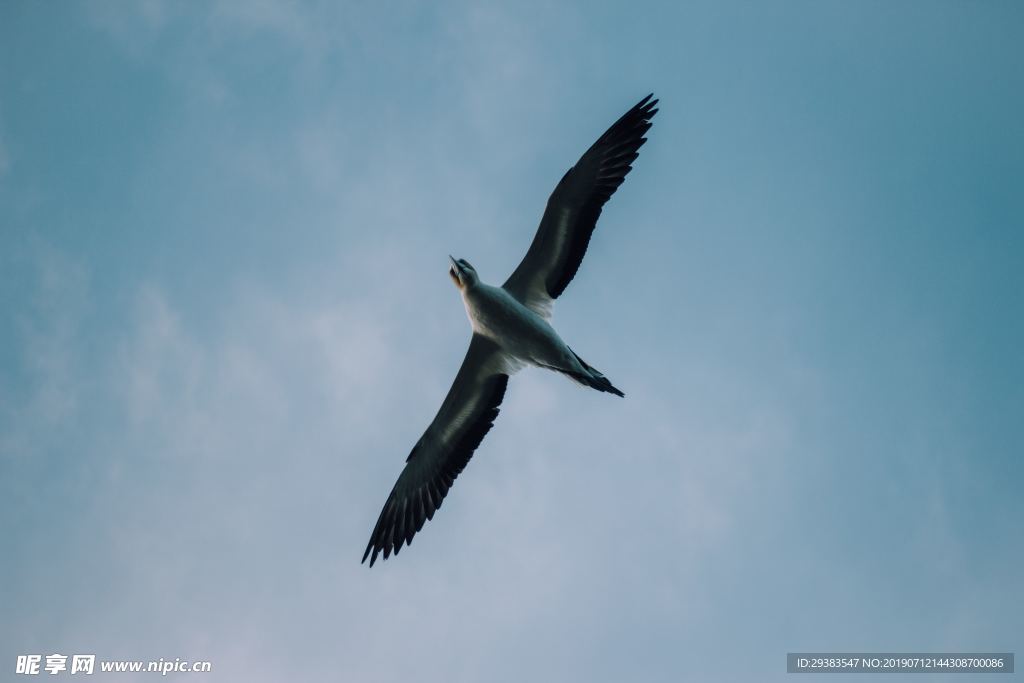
(462, 274)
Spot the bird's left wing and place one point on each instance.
(561, 241)
(444, 449)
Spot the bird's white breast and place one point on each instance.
(496, 314)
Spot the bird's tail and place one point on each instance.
(593, 378)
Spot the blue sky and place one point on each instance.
(224, 231)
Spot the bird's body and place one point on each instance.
(521, 333)
(511, 328)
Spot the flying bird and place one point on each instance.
(511, 329)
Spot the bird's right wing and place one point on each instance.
(445, 448)
(561, 241)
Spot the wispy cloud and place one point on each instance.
(235, 322)
(48, 350)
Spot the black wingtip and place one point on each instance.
(373, 558)
(646, 103)
(409, 507)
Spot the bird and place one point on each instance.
(511, 329)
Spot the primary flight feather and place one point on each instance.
(511, 328)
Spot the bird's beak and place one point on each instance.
(456, 271)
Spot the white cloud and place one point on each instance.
(134, 25)
(47, 348)
(245, 464)
(210, 464)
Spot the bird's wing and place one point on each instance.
(444, 449)
(573, 210)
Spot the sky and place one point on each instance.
(226, 319)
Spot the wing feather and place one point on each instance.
(444, 450)
(572, 211)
